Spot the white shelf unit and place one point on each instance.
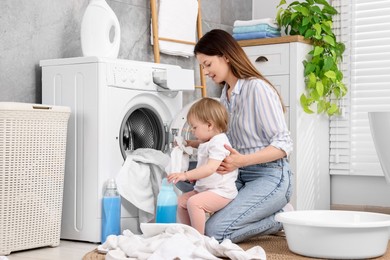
(310, 132)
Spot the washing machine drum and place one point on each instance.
(141, 127)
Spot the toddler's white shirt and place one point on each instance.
(222, 184)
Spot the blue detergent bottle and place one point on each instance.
(111, 211)
(166, 203)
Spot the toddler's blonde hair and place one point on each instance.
(209, 110)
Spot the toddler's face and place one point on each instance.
(200, 130)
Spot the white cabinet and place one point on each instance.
(280, 61)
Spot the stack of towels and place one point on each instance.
(256, 29)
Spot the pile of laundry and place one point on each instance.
(173, 241)
(256, 29)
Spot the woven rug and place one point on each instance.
(275, 247)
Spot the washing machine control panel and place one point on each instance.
(133, 77)
(150, 76)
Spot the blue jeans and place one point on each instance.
(263, 190)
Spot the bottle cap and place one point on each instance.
(111, 184)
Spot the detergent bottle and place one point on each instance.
(100, 30)
(166, 203)
(111, 211)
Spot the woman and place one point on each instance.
(259, 135)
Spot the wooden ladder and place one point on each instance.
(156, 38)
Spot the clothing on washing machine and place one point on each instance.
(180, 156)
(139, 180)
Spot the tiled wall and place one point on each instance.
(31, 31)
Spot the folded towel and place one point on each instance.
(270, 21)
(139, 180)
(174, 241)
(177, 20)
(256, 28)
(255, 35)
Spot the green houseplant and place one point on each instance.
(313, 20)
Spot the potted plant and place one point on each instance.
(313, 20)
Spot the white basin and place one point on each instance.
(336, 234)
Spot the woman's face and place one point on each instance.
(215, 67)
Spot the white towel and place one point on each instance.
(140, 178)
(270, 21)
(172, 241)
(180, 157)
(177, 20)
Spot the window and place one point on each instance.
(364, 26)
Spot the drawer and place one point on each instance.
(281, 83)
(270, 59)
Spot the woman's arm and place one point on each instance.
(236, 160)
(198, 173)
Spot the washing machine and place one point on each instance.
(116, 105)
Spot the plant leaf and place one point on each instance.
(330, 74)
(312, 80)
(305, 21)
(315, 9)
(282, 2)
(343, 89)
(304, 104)
(309, 68)
(318, 50)
(329, 10)
(317, 27)
(320, 88)
(309, 33)
(329, 39)
(325, 27)
(303, 10)
(328, 63)
(314, 95)
(322, 2)
(321, 106)
(333, 109)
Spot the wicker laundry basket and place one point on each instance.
(32, 164)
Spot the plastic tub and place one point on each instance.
(336, 234)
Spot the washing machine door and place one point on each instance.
(179, 125)
(142, 127)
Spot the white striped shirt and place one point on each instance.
(256, 118)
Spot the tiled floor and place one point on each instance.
(67, 250)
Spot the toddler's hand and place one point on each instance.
(176, 177)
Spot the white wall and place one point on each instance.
(360, 190)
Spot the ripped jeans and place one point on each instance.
(263, 190)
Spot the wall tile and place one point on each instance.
(235, 10)
(211, 10)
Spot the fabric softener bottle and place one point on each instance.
(111, 211)
(166, 203)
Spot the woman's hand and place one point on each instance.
(231, 162)
(176, 177)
